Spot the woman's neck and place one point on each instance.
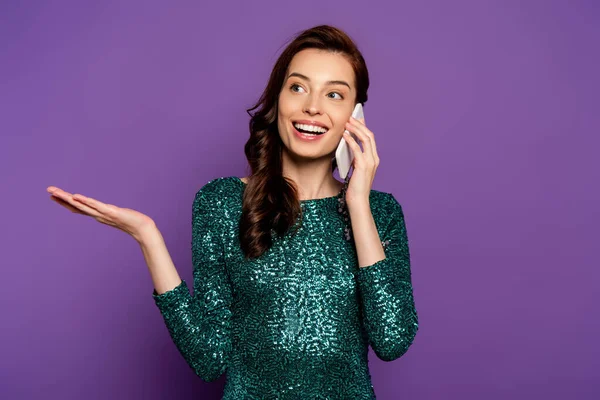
(313, 180)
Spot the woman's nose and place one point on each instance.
(312, 106)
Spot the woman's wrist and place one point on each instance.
(148, 235)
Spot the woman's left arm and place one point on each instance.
(384, 276)
(385, 285)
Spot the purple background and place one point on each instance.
(486, 118)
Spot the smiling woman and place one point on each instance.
(316, 81)
(290, 313)
(316, 94)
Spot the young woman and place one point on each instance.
(295, 273)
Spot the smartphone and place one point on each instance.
(344, 155)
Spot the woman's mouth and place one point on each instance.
(308, 132)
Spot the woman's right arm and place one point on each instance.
(200, 324)
(162, 270)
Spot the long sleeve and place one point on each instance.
(386, 292)
(200, 324)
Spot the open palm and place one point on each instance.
(129, 221)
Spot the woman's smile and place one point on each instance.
(306, 136)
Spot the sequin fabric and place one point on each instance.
(296, 322)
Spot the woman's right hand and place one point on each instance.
(129, 221)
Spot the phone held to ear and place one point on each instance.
(344, 155)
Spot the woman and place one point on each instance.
(295, 273)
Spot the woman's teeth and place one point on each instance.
(312, 130)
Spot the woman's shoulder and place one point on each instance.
(385, 209)
(384, 203)
(220, 190)
(222, 182)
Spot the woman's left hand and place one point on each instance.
(365, 163)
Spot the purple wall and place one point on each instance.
(486, 115)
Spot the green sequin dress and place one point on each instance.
(296, 322)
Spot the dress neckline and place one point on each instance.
(329, 199)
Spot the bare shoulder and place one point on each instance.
(244, 179)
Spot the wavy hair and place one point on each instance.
(270, 201)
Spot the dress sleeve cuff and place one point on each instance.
(377, 272)
(171, 297)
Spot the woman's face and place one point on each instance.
(319, 89)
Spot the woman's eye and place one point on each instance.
(293, 86)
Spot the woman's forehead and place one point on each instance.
(321, 66)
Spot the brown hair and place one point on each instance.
(270, 201)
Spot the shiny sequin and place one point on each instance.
(296, 322)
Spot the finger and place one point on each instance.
(98, 217)
(370, 134)
(68, 198)
(85, 205)
(359, 130)
(75, 210)
(358, 154)
(65, 204)
(106, 211)
(102, 208)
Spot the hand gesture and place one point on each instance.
(365, 163)
(129, 221)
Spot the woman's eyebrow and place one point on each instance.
(299, 75)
